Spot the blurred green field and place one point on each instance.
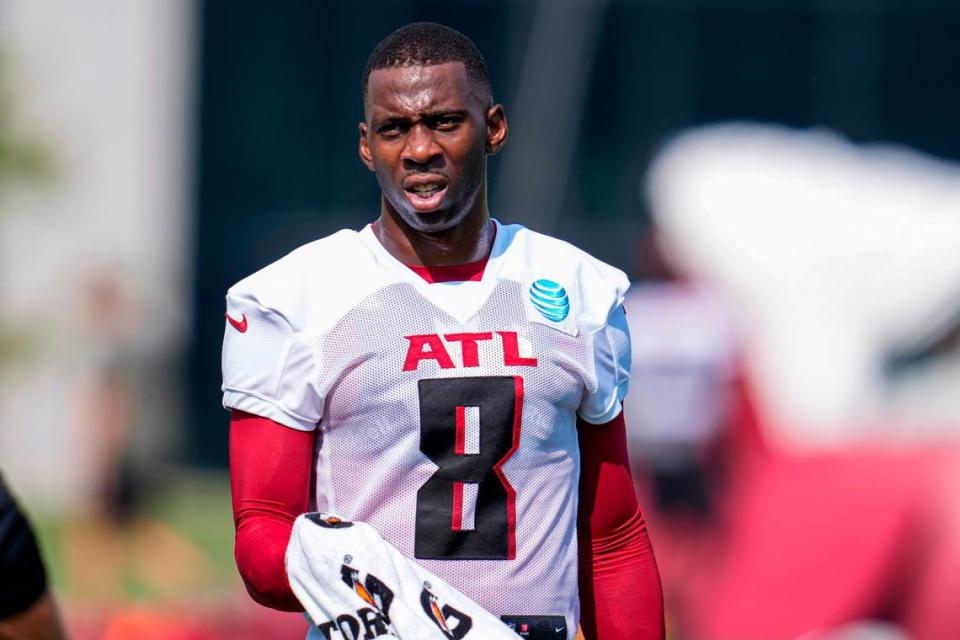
(192, 504)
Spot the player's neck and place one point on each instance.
(470, 241)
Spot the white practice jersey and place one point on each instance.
(446, 411)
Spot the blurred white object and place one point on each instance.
(837, 256)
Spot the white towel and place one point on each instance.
(354, 584)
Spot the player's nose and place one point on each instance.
(420, 146)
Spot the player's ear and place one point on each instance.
(496, 128)
(365, 156)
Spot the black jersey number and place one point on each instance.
(470, 468)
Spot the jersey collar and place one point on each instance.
(460, 299)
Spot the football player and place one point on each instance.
(452, 381)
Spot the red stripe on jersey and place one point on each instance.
(457, 520)
(498, 469)
(459, 445)
(469, 272)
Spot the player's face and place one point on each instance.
(426, 136)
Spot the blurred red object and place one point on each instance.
(221, 619)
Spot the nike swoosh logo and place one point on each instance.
(559, 629)
(239, 325)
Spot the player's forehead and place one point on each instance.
(413, 89)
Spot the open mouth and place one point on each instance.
(425, 194)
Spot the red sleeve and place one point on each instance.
(270, 467)
(620, 593)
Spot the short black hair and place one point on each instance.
(426, 44)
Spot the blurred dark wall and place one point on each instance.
(280, 101)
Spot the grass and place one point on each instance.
(179, 544)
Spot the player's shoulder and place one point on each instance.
(593, 287)
(307, 286)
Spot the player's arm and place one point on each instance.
(270, 466)
(40, 621)
(268, 366)
(620, 593)
(27, 610)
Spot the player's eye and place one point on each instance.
(391, 129)
(446, 123)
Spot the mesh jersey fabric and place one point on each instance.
(447, 411)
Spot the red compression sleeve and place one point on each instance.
(270, 468)
(620, 593)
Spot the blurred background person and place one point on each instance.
(112, 540)
(840, 259)
(684, 380)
